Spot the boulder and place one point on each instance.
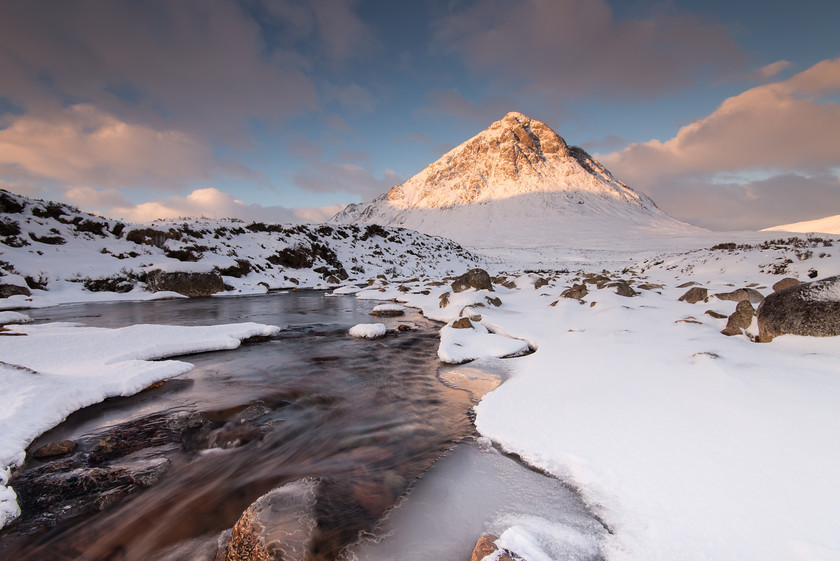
(462, 323)
(786, 282)
(740, 320)
(578, 291)
(811, 309)
(484, 547)
(478, 279)
(623, 289)
(278, 525)
(539, 283)
(493, 301)
(192, 284)
(695, 294)
(750, 294)
(444, 299)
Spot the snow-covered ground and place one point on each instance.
(51, 370)
(688, 444)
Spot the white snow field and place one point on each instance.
(688, 444)
(827, 225)
(48, 371)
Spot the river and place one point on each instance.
(343, 426)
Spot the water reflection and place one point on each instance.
(361, 418)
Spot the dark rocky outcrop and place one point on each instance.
(478, 279)
(189, 284)
(750, 294)
(740, 320)
(811, 309)
(7, 290)
(695, 294)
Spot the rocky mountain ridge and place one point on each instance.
(517, 170)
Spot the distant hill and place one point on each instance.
(827, 225)
(517, 184)
(52, 246)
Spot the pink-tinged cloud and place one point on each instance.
(83, 146)
(769, 70)
(571, 48)
(211, 203)
(191, 65)
(787, 125)
(329, 177)
(785, 132)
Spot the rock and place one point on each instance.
(694, 295)
(624, 289)
(539, 283)
(686, 284)
(493, 301)
(478, 279)
(786, 282)
(332, 279)
(715, 315)
(811, 309)
(388, 310)
(7, 290)
(59, 448)
(650, 286)
(750, 294)
(278, 525)
(186, 283)
(740, 320)
(484, 547)
(462, 323)
(578, 291)
(444, 299)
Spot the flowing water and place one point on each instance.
(341, 426)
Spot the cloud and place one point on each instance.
(452, 104)
(207, 203)
(786, 125)
(768, 71)
(341, 30)
(203, 67)
(568, 48)
(748, 205)
(81, 145)
(785, 132)
(328, 177)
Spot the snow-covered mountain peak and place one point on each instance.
(513, 156)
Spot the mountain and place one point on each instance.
(516, 184)
(827, 225)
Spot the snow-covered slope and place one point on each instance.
(827, 225)
(77, 256)
(518, 184)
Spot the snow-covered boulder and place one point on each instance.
(463, 340)
(388, 310)
(740, 294)
(811, 308)
(478, 279)
(12, 285)
(367, 331)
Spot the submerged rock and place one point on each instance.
(811, 309)
(478, 279)
(58, 448)
(277, 526)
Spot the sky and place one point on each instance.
(727, 114)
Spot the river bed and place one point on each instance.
(350, 424)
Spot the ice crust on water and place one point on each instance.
(472, 491)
